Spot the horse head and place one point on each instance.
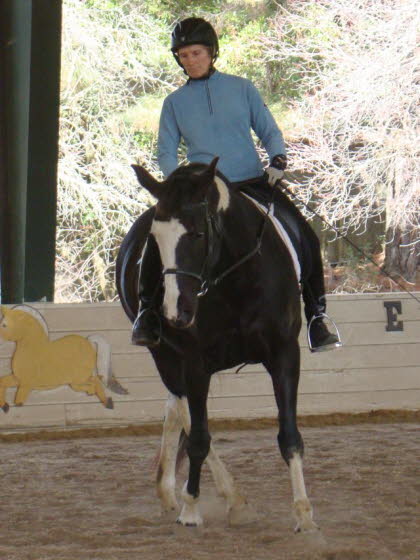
(20, 321)
(184, 227)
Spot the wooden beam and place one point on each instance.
(41, 206)
(30, 75)
(15, 16)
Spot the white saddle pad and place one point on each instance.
(282, 234)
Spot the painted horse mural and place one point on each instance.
(39, 363)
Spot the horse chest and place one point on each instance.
(27, 362)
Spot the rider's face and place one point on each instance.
(196, 60)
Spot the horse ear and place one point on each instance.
(206, 178)
(147, 180)
(211, 170)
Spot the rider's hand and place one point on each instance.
(276, 170)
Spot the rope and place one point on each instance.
(349, 241)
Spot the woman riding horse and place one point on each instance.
(214, 114)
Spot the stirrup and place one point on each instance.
(327, 347)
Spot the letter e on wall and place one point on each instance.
(393, 309)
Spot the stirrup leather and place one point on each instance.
(329, 346)
(158, 321)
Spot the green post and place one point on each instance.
(41, 201)
(30, 75)
(16, 39)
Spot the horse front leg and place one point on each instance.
(5, 382)
(285, 371)
(198, 446)
(238, 511)
(22, 394)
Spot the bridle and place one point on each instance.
(213, 229)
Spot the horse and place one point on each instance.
(39, 363)
(231, 296)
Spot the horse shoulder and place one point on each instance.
(28, 357)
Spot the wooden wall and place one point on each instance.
(375, 369)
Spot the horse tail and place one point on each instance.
(103, 363)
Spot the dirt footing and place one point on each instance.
(308, 421)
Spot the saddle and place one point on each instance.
(285, 212)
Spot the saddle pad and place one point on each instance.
(282, 234)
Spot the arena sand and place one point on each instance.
(94, 498)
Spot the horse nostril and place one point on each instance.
(184, 319)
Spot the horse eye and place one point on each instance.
(195, 234)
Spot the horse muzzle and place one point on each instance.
(183, 319)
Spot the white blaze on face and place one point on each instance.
(167, 235)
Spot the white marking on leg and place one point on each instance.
(236, 503)
(167, 458)
(167, 235)
(224, 196)
(184, 414)
(296, 475)
(190, 515)
(237, 508)
(302, 508)
(222, 479)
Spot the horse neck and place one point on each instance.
(241, 226)
(32, 335)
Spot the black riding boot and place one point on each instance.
(313, 289)
(306, 243)
(146, 327)
(319, 337)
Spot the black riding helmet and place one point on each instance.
(194, 31)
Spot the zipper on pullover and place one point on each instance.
(206, 81)
(209, 97)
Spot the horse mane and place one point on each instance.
(34, 313)
(182, 185)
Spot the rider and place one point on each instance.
(214, 113)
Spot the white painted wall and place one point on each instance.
(374, 370)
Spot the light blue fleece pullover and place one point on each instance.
(215, 117)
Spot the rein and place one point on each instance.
(212, 228)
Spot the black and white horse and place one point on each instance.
(231, 295)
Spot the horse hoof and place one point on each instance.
(307, 527)
(242, 515)
(5, 407)
(186, 524)
(109, 403)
